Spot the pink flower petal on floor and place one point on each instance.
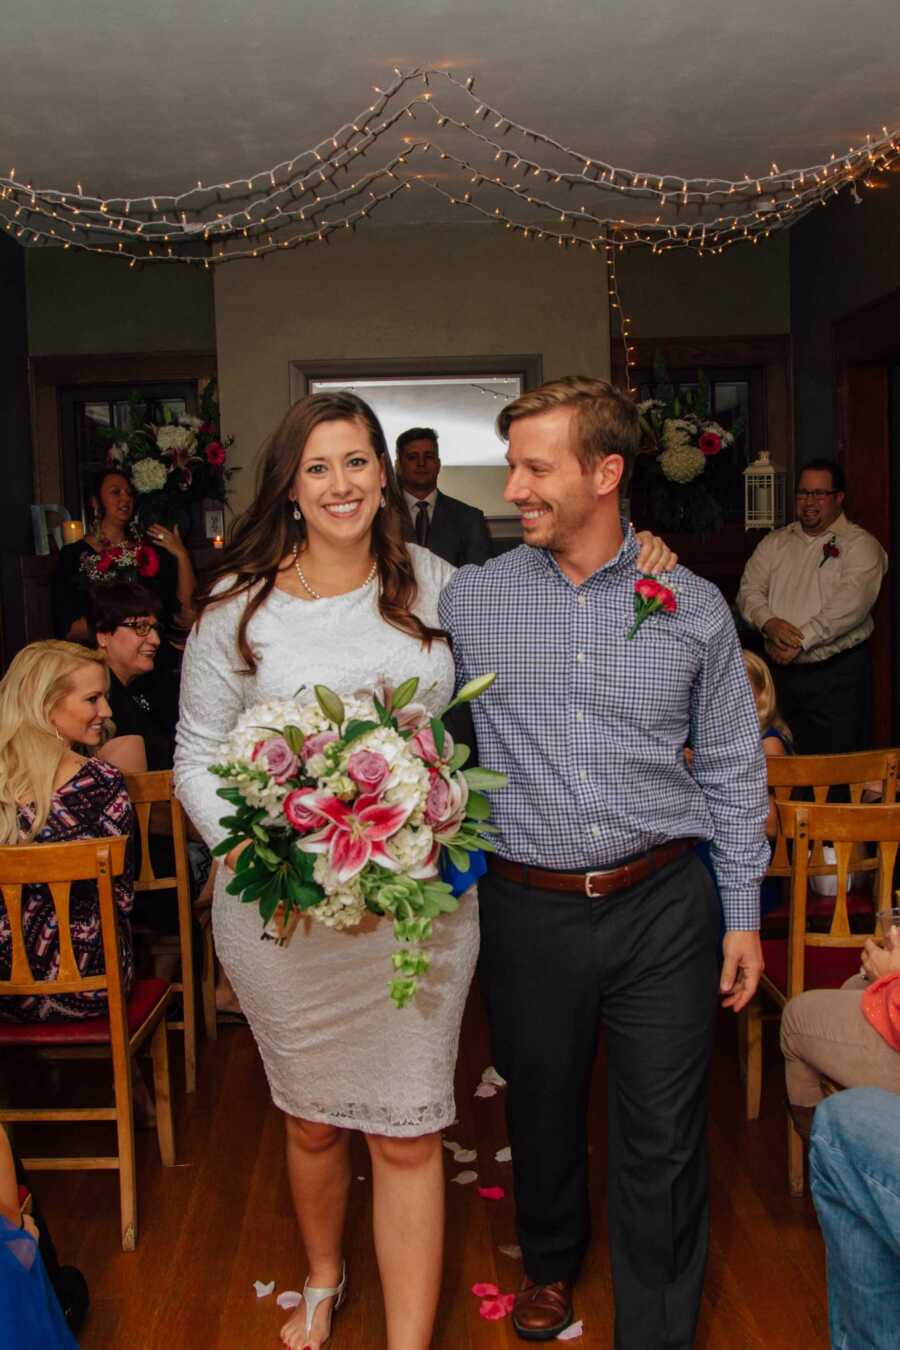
(291, 1298)
(485, 1290)
(465, 1178)
(503, 1154)
(492, 1309)
(572, 1333)
(508, 1301)
(491, 1192)
(511, 1249)
(485, 1090)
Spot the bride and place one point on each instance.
(319, 587)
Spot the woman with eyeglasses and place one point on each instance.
(125, 621)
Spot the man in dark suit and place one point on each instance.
(452, 529)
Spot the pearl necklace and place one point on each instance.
(315, 594)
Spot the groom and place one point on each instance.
(596, 910)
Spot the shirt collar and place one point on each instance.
(412, 502)
(624, 560)
(839, 525)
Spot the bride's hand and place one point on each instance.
(655, 554)
(232, 857)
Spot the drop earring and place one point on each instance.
(298, 514)
(383, 501)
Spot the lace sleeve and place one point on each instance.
(212, 696)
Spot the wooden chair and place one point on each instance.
(120, 1034)
(147, 790)
(816, 775)
(824, 960)
(208, 975)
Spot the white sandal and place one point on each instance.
(313, 1297)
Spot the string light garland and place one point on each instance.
(256, 215)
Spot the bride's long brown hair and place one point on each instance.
(267, 532)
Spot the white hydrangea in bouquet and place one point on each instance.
(346, 805)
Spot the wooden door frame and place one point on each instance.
(864, 342)
(48, 374)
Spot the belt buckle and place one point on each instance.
(588, 878)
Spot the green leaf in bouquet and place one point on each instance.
(259, 833)
(472, 689)
(330, 704)
(227, 845)
(294, 737)
(402, 991)
(439, 732)
(231, 795)
(268, 856)
(458, 856)
(405, 694)
(459, 757)
(268, 906)
(483, 780)
(245, 859)
(478, 806)
(357, 728)
(384, 714)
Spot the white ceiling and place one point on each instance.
(131, 96)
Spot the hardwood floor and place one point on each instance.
(222, 1219)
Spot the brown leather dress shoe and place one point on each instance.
(542, 1311)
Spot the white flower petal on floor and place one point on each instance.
(491, 1075)
(485, 1090)
(465, 1178)
(291, 1298)
(572, 1333)
(511, 1249)
(464, 1155)
(264, 1290)
(452, 1145)
(503, 1154)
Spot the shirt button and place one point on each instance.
(583, 775)
(582, 599)
(595, 830)
(579, 716)
(580, 656)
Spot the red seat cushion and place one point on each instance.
(819, 913)
(145, 997)
(825, 967)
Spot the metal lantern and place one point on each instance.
(763, 494)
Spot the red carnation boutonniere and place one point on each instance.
(830, 550)
(147, 560)
(650, 596)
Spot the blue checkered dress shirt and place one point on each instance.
(591, 726)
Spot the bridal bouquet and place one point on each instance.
(346, 806)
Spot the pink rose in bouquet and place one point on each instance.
(297, 812)
(445, 807)
(369, 770)
(278, 758)
(314, 745)
(423, 745)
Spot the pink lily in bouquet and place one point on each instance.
(355, 833)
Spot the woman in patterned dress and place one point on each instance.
(52, 698)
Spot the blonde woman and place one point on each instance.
(52, 698)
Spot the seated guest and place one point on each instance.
(30, 1315)
(125, 621)
(452, 529)
(52, 698)
(169, 574)
(773, 730)
(850, 1035)
(854, 1171)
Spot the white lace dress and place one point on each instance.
(335, 1048)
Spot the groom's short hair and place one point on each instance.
(607, 419)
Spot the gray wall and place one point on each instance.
(402, 292)
(842, 258)
(745, 291)
(81, 303)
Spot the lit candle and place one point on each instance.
(73, 530)
(218, 541)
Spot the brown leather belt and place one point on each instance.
(593, 884)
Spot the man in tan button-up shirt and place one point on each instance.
(810, 588)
